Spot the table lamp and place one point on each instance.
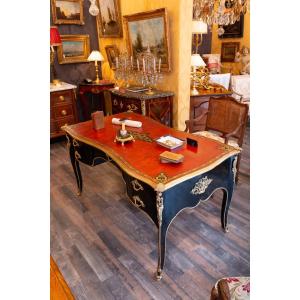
(196, 61)
(198, 28)
(54, 41)
(96, 56)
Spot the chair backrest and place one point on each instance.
(225, 115)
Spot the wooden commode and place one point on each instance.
(62, 107)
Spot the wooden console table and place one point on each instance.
(161, 190)
(157, 106)
(91, 97)
(62, 107)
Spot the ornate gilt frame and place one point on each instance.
(234, 46)
(161, 12)
(85, 38)
(108, 50)
(100, 29)
(55, 18)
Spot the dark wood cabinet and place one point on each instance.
(62, 108)
(91, 98)
(157, 106)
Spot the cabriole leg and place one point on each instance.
(74, 157)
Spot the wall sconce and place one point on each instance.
(198, 28)
(96, 56)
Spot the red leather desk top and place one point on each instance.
(141, 159)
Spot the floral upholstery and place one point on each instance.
(239, 287)
(214, 136)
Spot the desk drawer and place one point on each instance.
(63, 111)
(62, 97)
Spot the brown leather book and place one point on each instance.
(168, 156)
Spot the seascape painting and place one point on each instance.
(149, 30)
(109, 20)
(67, 11)
(74, 49)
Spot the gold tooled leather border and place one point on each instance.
(127, 167)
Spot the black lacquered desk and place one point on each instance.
(161, 190)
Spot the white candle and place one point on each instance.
(138, 64)
(159, 62)
(143, 64)
(154, 66)
(117, 62)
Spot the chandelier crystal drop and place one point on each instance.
(220, 12)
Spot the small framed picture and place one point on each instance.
(112, 53)
(228, 51)
(67, 12)
(73, 49)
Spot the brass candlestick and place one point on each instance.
(97, 80)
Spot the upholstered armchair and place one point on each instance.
(226, 121)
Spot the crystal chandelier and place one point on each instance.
(220, 12)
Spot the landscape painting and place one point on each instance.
(109, 19)
(67, 12)
(74, 49)
(149, 30)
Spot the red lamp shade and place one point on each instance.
(54, 36)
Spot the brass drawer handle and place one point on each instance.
(63, 112)
(61, 98)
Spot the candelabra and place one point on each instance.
(124, 68)
(145, 70)
(150, 72)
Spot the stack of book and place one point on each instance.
(170, 157)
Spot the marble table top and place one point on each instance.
(63, 86)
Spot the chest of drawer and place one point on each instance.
(62, 97)
(62, 111)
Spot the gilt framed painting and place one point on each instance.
(109, 23)
(229, 50)
(73, 49)
(149, 30)
(112, 53)
(67, 12)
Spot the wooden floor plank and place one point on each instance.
(107, 249)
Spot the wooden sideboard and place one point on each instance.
(91, 98)
(62, 107)
(196, 100)
(157, 106)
